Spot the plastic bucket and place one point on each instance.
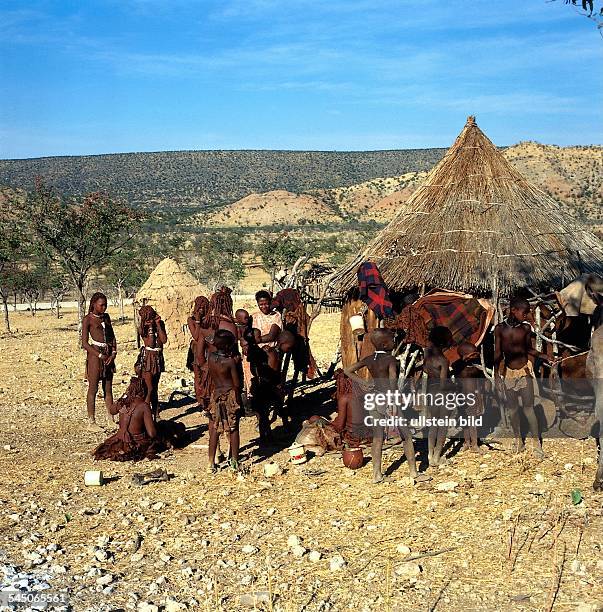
(297, 453)
(357, 324)
(93, 478)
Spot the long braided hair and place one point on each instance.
(136, 388)
(95, 297)
(147, 315)
(220, 305)
(201, 307)
(344, 384)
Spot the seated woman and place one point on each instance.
(136, 437)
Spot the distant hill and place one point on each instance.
(272, 208)
(571, 175)
(200, 178)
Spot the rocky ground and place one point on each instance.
(489, 532)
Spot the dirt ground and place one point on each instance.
(489, 532)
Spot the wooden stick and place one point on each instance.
(558, 572)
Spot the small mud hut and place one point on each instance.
(171, 290)
(476, 225)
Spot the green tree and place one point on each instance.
(218, 258)
(279, 251)
(125, 272)
(11, 242)
(80, 232)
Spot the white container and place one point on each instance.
(297, 453)
(93, 478)
(357, 324)
(272, 469)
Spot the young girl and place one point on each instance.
(98, 340)
(150, 363)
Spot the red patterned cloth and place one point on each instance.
(466, 317)
(373, 291)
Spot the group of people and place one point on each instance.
(513, 377)
(236, 358)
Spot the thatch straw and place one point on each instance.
(478, 225)
(171, 291)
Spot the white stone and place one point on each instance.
(447, 486)
(145, 606)
(171, 605)
(270, 511)
(165, 558)
(507, 514)
(101, 555)
(293, 540)
(58, 569)
(314, 556)
(402, 549)
(158, 506)
(408, 570)
(105, 580)
(272, 469)
(538, 477)
(249, 549)
(336, 563)
(568, 466)
(577, 568)
(298, 551)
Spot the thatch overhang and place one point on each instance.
(477, 225)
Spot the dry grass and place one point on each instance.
(477, 225)
(461, 539)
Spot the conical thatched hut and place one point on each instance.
(476, 225)
(171, 290)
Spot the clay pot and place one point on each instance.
(352, 458)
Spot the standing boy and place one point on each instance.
(383, 368)
(513, 346)
(225, 402)
(436, 366)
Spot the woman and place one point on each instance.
(266, 319)
(196, 361)
(98, 340)
(136, 437)
(150, 363)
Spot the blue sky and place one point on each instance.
(102, 76)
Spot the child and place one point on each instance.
(383, 368)
(137, 436)
(150, 363)
(225, 402)
(266, 391)
(513, 345)
(466, 370)
(436, 366)
(98, 340)
(243, 324)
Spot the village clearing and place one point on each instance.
(489, 532)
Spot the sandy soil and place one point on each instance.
(502, 537)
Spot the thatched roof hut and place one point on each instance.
(171, 290)
(477, 225)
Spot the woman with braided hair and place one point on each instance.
(219, 316)
(196, 361)
(136, 437)
(150, 363)
(98, 340)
